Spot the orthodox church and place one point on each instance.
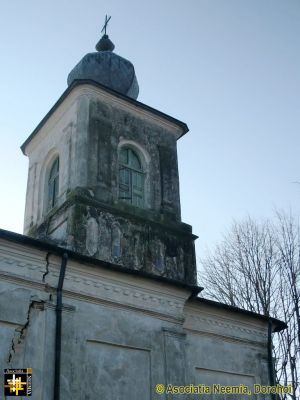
(99, 297)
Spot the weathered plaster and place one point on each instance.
(86, 132)
(114, 323)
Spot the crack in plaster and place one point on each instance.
(20, 332)
(47, 267)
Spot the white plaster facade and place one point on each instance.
(124, 332)
(64, 133)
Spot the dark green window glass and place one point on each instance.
(131, 178)
(53, 183)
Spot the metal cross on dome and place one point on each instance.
(105, 24)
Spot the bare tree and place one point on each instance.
(288, 244)
(257, 267)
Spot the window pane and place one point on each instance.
(54, 169)
(139, 183)
(55, 191)
(124, 176)
(53, 184)
(50, 194)
(134, 178)
(134, 161)
(131, 182)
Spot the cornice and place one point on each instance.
(132, 104)
(223, 327)
(81, 281)
(137, 108)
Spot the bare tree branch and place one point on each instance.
(257, 267)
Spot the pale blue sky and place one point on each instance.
(230, 69)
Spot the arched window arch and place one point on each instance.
(53, 183)
(131, 177)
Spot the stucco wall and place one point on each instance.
(122, 332)
(54, 139)
(86, 131)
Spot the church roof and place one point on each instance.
(109, 69)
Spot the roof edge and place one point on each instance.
(79, 82)
(279, 325)
(59, 251)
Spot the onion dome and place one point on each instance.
(108, 69)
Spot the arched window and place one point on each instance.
(131, 178)
(53, 183)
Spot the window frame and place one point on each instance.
(135, 190)
(53, 184)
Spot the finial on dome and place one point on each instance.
(106, 68)
(105, 24)
(105, 44)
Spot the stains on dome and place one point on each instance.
(108, 69)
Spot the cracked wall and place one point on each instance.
(119, 328)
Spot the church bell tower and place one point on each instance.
(103, 174)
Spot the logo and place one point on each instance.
(18, 382)
(160, 388)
